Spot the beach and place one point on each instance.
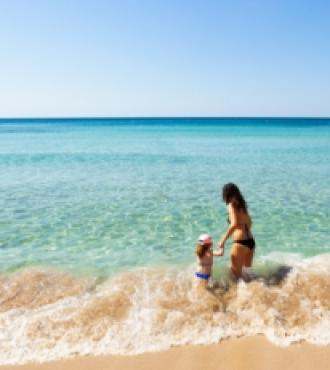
(99, 220)
(247, 353)
(164, 185)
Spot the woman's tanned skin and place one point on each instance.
(239, 228)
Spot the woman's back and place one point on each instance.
(243, 223)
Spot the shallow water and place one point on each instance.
(47, 315)
(98, 220)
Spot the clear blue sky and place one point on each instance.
(164, 58)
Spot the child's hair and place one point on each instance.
(203, 244)
(201, 249)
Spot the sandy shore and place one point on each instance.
(255, 353)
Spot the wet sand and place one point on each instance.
(248, 353)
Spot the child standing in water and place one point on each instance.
(205, 255)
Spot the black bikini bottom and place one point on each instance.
(249, 243)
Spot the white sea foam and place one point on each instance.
(47, 315)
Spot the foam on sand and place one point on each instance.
(47, 315)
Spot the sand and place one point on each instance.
(249, 353)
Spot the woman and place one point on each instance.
(239, 229)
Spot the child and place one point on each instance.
(205, 255)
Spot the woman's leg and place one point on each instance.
(249, 258)
(238, 259)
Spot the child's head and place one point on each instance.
(204, 243)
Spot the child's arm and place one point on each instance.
(218, 253)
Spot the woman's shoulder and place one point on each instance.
(230, 207)
(233, 209)
(241, 215)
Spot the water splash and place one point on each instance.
(47, 315)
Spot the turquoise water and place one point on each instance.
(99, 196)
(99, 218)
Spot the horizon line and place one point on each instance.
(160, 117)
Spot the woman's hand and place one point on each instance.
(221, 246)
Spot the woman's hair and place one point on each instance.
(201, 249)
(231, 194)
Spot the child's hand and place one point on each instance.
(220, 251)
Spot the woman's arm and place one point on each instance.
(233, 225)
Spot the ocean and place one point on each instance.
(99, 219)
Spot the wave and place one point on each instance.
(47, 315)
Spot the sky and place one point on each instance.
(66, 58)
